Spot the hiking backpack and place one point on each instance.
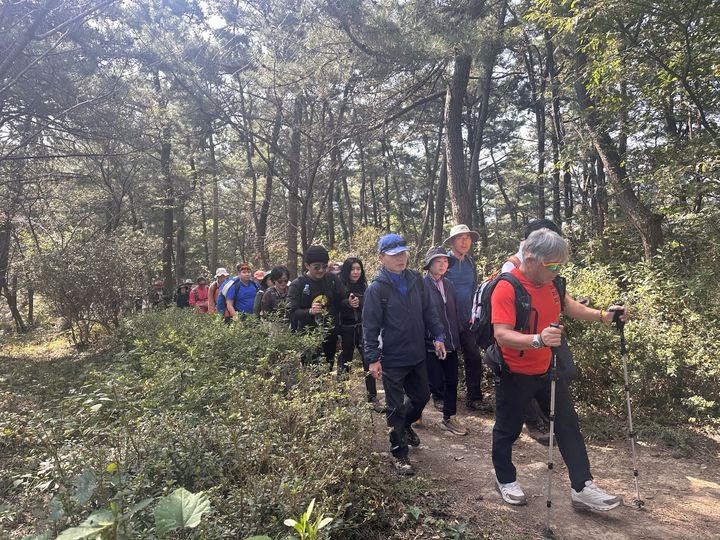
(481, 323)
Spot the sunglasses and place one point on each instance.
(553, 266)
(394, 245)
(282, 280)
(319, 266)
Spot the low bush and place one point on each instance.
(224, 410)
(672, 338)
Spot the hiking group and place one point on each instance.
(411, 331)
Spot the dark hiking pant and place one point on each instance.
(512, 398)
(447, 372)
(351, 336)
(406, 393)
(473, 364)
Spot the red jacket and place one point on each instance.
(199, 298)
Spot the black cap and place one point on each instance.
(315, 254)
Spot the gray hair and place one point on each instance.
(545, 246)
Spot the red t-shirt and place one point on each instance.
(546, 309)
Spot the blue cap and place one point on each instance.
(391, 244)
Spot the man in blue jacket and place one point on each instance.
(463, 276)
(397, 314)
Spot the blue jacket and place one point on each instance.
(394, 326)
(447, 311)
(463, 275)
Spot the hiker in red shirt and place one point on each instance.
(527, 354)
(199, 295)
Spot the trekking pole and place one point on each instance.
(620, 327)
(548, 532)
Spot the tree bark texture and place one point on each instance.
(460, 200)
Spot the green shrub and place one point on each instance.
(674, 366)
(225, 410)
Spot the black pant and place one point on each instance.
(447, 372)
(352, 339)
(406, 393)
(512, 397)
(473, 364)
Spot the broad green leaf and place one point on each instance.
(324, 522)
(96, 523)
(85, 485)
(180, 509)
(290, 522)
(112, 467)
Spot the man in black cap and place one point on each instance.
(315, 299)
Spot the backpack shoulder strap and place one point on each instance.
(515, 260)
(523, 303)
(561, 287)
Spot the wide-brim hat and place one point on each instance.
(462, 229)
(221, 272)
(434, 253)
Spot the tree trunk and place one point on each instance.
(294, 183)
(645, 221)
(168, 191)
(485, 88)
(203, 216)
(10, 295)
(214, 239)
(439, 220)
(180, 240)
(262, 221)
(460, 200)
(538, 102)
(386, 171)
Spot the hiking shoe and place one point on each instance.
(411, 437)
(539, 432)
(376, 405)
(439, 404)
(511, 493)
(419, 423)
(478, 405)
(403, 467)
(453, 425)
(593, 498)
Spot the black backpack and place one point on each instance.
(482, 324)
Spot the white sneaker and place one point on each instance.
(593, 498)
(511, 493)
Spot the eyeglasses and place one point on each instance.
(553, 266)
(319, 266)
(401, 243)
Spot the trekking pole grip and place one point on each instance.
(617, 322)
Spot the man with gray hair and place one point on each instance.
(526, 353)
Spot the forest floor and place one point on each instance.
(681, 494)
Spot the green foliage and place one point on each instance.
(193, 403)
(96, 281)
(306, 528)
(181, 509)
(674, 365)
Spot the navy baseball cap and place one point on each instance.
(392, 244)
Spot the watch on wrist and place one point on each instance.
(537, 342)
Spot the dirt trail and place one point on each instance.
(682, 496)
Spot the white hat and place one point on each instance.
(221, 272)
(462, 229)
